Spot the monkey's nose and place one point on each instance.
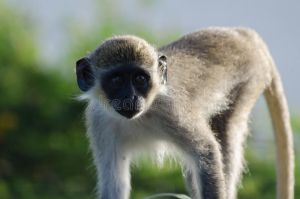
(130, 107)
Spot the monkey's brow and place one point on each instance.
(106, 69)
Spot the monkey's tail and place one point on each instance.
(279, 112)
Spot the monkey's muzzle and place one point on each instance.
(129, 107)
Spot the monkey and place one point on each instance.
(190, 99)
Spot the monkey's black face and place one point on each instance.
(126, 87)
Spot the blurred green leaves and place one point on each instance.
(296, 124)
(43, 150)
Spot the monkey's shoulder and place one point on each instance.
(217, 45)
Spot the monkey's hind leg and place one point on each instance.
(231, 129)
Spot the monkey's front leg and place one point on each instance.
(211, 175)
(203, 168)
(113, 166)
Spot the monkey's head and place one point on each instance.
(124, 74)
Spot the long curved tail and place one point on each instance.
(279, 112)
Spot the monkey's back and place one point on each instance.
(210, 63)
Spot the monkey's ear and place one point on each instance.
(84, 73)
(162, 64)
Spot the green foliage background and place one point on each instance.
(43, 149)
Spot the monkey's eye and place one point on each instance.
(116, 81)
(140, 80)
